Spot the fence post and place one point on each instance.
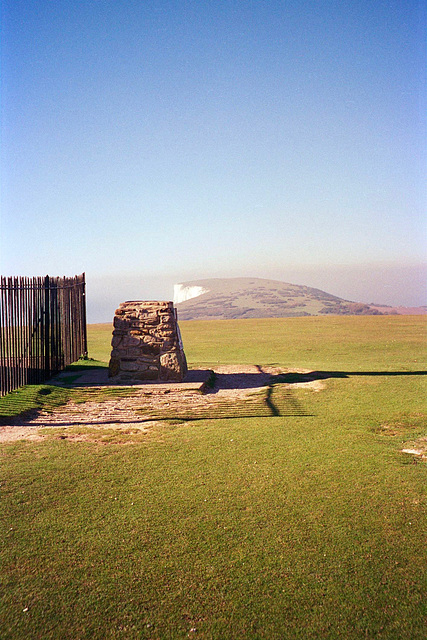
(84, 316)
(46, 327)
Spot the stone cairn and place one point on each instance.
(146, 343)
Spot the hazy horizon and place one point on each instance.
(392, 286)
(170, 141)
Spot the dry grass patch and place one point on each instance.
(99, 434)
(411, 430)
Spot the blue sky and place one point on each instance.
(148, 143)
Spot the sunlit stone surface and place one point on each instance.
(146, 343)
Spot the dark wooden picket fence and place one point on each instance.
(42, 328)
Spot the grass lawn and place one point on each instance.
(304, 526)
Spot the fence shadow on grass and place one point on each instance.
(293, 377)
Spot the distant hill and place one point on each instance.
(226, 298)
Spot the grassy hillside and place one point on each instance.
(232, 298)
(301, 526)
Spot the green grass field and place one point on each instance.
(283, 527)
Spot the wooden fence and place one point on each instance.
(42, 328)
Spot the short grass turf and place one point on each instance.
(304, 526)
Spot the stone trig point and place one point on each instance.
(146, 343)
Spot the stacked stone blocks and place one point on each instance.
(146, 343)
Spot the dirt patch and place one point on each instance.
(417, 448)
(238, 391)
(12, 433)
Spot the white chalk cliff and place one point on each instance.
(181, 292)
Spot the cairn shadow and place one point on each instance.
(263, 379)
(240, 381)
(287, 405)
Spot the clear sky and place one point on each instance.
(151, 142)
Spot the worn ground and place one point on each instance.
(237, 390)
